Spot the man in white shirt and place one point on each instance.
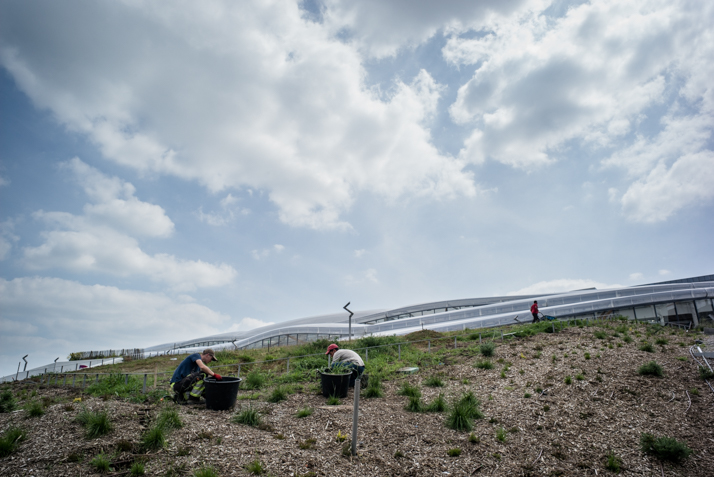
(346, 357)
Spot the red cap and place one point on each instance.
(331, 347)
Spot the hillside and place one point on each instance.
(535, 420)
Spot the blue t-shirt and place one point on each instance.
(186, 367)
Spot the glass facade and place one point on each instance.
(686, 313)
(705, 312)
(646, 313)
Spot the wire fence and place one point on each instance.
(65, 378)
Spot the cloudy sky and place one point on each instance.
(176, 169)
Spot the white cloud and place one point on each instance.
(224, 216)
(248, 324)
(266, 252)
(7, 237)
(4, 182)
(560, 286)
(50, 317)
(278, 103)
(636, 276)
(359, 253)
(664, 272)
(92, 243)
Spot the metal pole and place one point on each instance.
(429, 346)
(144, 390)
(454, 342)
(126, 379)
(288, 370)
(97, 378)
(400, 351)
(355, 416)
(18, 370)
(479, 338)
(74, 377)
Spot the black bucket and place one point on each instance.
(335, 384)
(221, 395)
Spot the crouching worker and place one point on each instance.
(187, 381)
(346, 358)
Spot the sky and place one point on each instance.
(170, 170)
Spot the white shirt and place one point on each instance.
(347, 356)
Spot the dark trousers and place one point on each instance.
(535, 317)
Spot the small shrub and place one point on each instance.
(587, 355)
(455, 452)
(487, 348)
(503, 374)
(10, 440)
(627, 339)
(647, 346)
(661, 341)
(409, 390)
(255, 467)
(568, 380)
(249, 417)
(137, 469)
(101, 463)
(434, 382)
(254, 380)
(278, 394)
(414, 404)
(35, 409)
(694, 391)
(601, 335)
(664, 448)
(484, 364)
(527, 395)
(579, 377)
(154, 438)
(307, 444)
(501, 435)
(474, 439)
(651, 369)
(333, 401)
(398, 454)
(304, 412)
(705, 373)
(7, 402)
(437, 405)
(546, 408)
(614, 463)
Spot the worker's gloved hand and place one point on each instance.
(217, 376)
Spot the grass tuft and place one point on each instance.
(434, 382)
(7, 402)
(409, 390)
(568, 380)
(154, 438)
(333, 401)
(374, 388)
(169, 419)
(304, 412)
(278, 394)
(206, 472)
(10, 440)
(137, 469)
(651, 369)
(647, 347)
(255, 467)
(437, 405)
(501, 435)
(484, 364)
(35, 409)
(661, 341)
(249, 417)
(101, 463)
(614, 463)
(414, 404)
(704, 373)
(487, 349)
(474, 439)
(664, 448)
(96, 423)
(254, 380)
(455, 452)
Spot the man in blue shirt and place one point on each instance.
(187, 380)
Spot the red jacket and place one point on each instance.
(534, 308)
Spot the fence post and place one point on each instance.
(126, 379)
(355, 416)
(479, 338)
(400, 351)
(74, 377)
(454, 342)
(76, 366)
(144, 390)
(61, 369)
(64, 382)
(553, 325)
(288, 370)
(429, 346)
(501, 335)
(97, 380)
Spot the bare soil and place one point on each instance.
(564, 430)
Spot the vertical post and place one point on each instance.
(454, 342)
(84, 381)
(97, 380)
(400, 351)
(501, 335)
(76, 366)
(144, 390)
(156, 370)
(238, 371)
(288, 367)
(74, 377)
(429, 346)
(126, 379)
(64, 382)
(18, 370)
(355, 416)
(61, 369)
(553, 325)
(479, 338)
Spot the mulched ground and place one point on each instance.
(605, 412)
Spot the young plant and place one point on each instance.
(278, 394)
(101, 463)
(304, 412)
(484, 364)
(137, 469)
(169, 419)
(254, 380)
(434, 382)
(96, 423)
(398, 454)
(601, 335)
(587, 355)
(487, 349)
(7, 402)
(249, 417)
(35, 409)
(154, 438)
(614, 463)
(664, 448)
(409, 390)
(455, 452)
(307, 444)
(568, 380)
(579, 377)
(705, 373)
(374, 388)
(474, 439)
(437, 405)
(414, 404)
(10, 440)
(333, 401)
(647, 347)
(255, 467)
(651, 369)
(206, 472)
(661, 341)
(501, 435)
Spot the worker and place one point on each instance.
(346, 358)
(187, 380)
(534, 311)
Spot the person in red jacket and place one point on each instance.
(534, 311)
